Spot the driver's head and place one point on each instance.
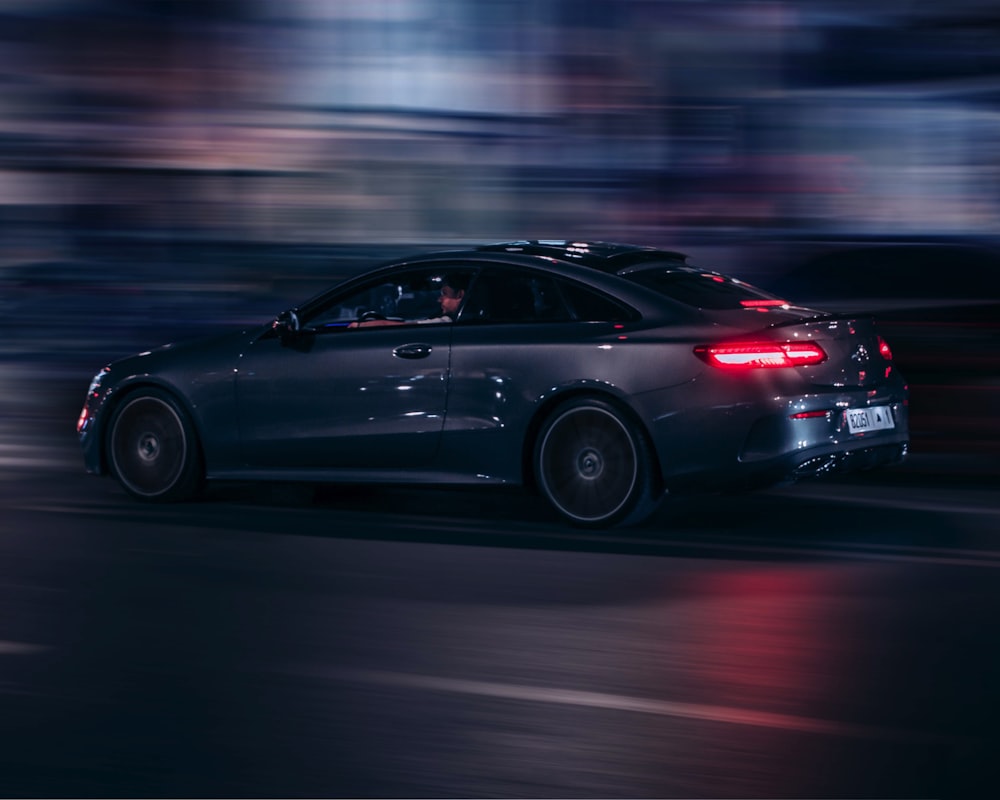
(452, 292)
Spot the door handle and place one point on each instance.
(412, 351)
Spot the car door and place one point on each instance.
(334, 396)
(519, 334)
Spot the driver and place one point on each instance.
(452, 294)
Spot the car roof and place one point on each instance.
(608, 257)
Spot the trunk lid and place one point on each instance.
(855, 353)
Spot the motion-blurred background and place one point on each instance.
(167, 165)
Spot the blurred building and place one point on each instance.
(442, 120)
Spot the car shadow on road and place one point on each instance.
(755, 525)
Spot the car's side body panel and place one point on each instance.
(344, 398)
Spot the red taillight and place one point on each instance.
(810, 414)
(884, 350)
(756, 355)
(762, 303)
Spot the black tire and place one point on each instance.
(594, 466)
(152, 448)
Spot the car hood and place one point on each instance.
(192, 352)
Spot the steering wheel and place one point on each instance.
(367, 316)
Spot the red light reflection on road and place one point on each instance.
(775, 639)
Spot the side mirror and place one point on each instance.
(286, 325)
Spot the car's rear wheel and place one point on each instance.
(594, 466)
(152, 449)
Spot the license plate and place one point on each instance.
(876, 418)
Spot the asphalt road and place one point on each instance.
(829, 639)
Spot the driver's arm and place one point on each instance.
(376, 323)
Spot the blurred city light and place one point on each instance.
(436, 120)
(212, 161)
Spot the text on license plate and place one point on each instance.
(876, 418)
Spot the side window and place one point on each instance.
(402, 297)
(587, 305)
(507, 295)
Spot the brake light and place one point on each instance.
(884, 350)
(760, 355)
(762, 303)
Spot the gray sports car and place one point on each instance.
(602, 375)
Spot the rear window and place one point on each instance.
(590, 306)
(703, 289)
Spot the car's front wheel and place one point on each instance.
(152, 449)
(594, 466)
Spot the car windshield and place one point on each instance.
(702, 288)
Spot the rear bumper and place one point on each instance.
(817, 462)
(813, 448)
(864, 458)
(783, 439)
